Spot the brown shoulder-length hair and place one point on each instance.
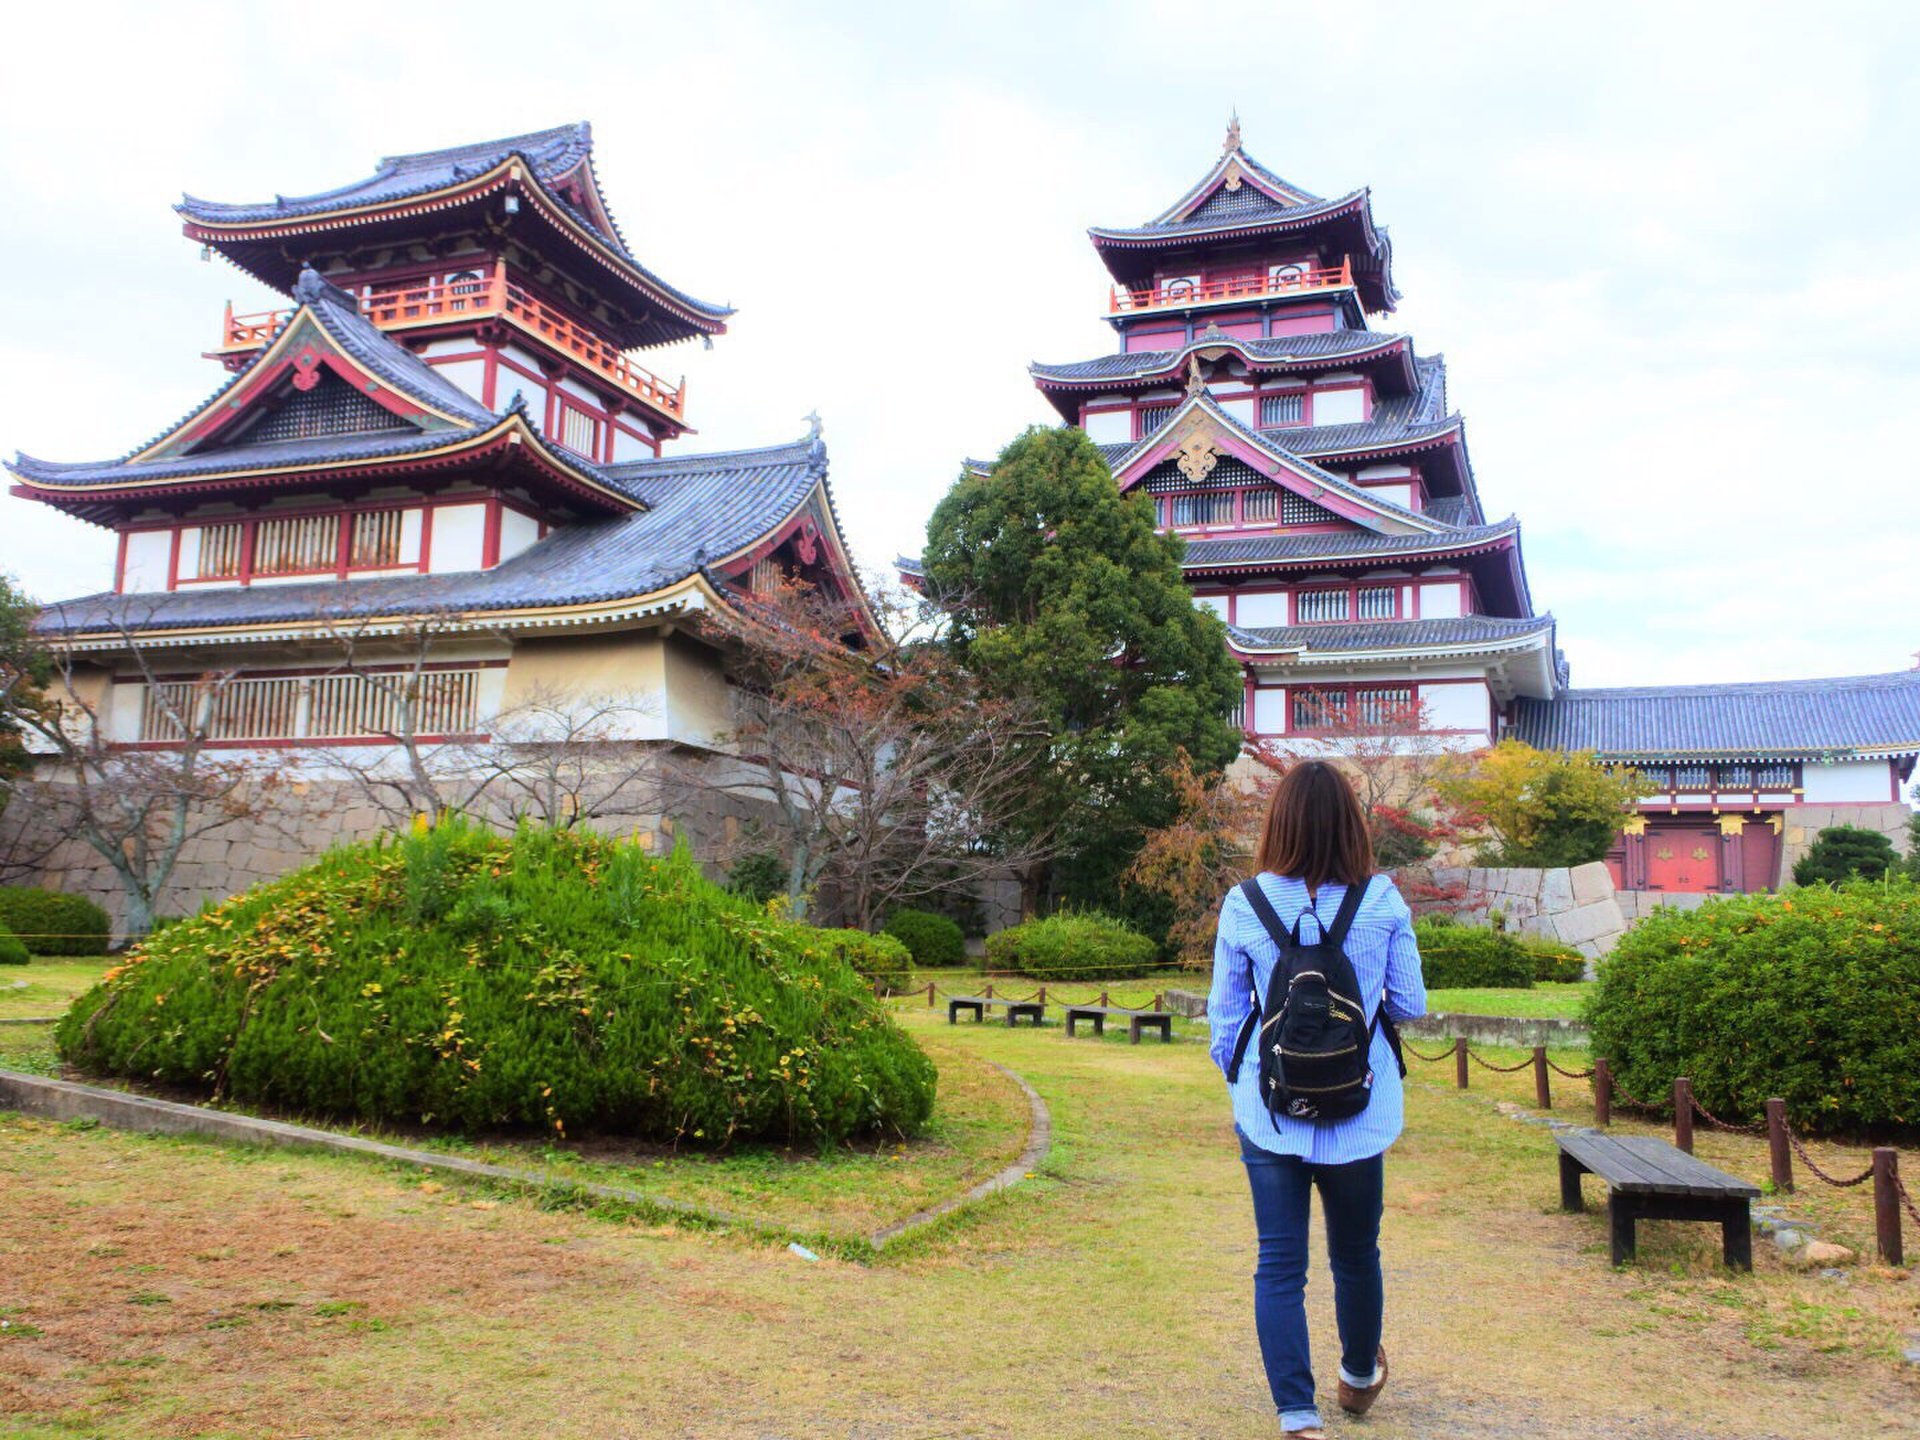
(1316, 831)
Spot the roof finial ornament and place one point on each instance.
(1232, 147)
(812, 417)
(1196, 382)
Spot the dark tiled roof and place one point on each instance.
(1200, 223)
(1280, 350)
(1488, 630)
(703, 508)
(338, 315)
(552, 154)
(1331, 545)
(1804, 718)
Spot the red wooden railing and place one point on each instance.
(1289, 281)
(489, 297)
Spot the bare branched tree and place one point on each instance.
(565, 760)
(137, 805)
(882, 773)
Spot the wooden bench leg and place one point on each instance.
(1620, 1223)
(953, 1013)
(1166, 1031)
(1099, 1026)
(1570, 1172)
(1133, 1031)
(1736, 1236)
(1070, 1020)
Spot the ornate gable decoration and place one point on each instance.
(1198, 457)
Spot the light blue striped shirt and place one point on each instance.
(1386, 961)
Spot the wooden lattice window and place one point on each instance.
(1776, 777)
(579, 431)
(220, 552)
(1319, 606)
(1215, 508)
(1289, 408)
(296, 545)
(1298, 510)
(375, 542)
(1382, 705)
(1151, 418)
(314, 707)
(1259, 505)
(1318, 709)
(332, 407)
(1379, 602)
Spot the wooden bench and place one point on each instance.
(1648, 1179)
(1137, 1020)
(1034, 1010)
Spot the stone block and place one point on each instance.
(1556, 890)
(1592, 881)
(1590, 922)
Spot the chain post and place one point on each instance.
(1777, 1147)
(1602, 1092)
(929, 994)
(988, 991)
(1460, 1064)
(1683, 1114)
(1886, 1205)
(1542, 1095)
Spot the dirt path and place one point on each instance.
(179, 1289)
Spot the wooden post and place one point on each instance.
(1886, 1205)
(1683, 1113)
(1042, 997)
(1542, 1095)
(1777, 1146)
(988, 991)
(1103, 998)
(929, 994)
(1159, 999)
(1460, 1064)
(879, 991)
(1602, 1092)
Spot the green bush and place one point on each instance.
(878, 957)
(52, 923)
(931, 939)
(1553, 960)
(1841, 852)
(1811, 994)
(1455, 956)
(558, 979)
(759, 876)
(13, 950)
(1072, 946)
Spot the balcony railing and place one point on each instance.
(1288, 280)
(482, 297)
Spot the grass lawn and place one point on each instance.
(160, 1286)
(1545, 1001)
(47, 985)
(968, 980)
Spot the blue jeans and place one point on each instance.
(1351, 1198)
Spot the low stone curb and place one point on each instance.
(29, 1020)
(1512, 1031)
(66, 1100)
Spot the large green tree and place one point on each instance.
(1058, 587)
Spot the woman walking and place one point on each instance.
(1315, 850)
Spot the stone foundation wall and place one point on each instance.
(1576, 906)
(1802, 822)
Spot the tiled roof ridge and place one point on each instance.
(1153, 362)
(1285, 218)
(1886, 679)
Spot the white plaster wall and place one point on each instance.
(1383, 472)
(410, 536)
(629, 447)
(1216, 603)
(1339, 407)
(1111, 427)
(1401, 495)
(517, 532)
(1438, 602)
(1241, 409)
(459, 538)
(189, 550)
(1846, 781)
(1269, 709)
(148, 552)
(469, 375)
(1457, 707)
(1261, 609)
(582, 393)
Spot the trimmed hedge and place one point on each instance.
(558, 979)
(1554, 960)
(1456, 957)
(52, 923)
(931, 939)
(878, 957)
(1072, 946)
(13, 950)
(1812, 994)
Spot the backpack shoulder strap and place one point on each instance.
(1263, 907)
(1349, 907)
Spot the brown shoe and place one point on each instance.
(1356, 1401)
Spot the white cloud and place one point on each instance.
(1671, 252)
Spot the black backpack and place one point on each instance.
(1315, 1038)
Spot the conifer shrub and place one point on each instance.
(1841, 852)
(51, 923)
(557, 979)
(1073, 945)
(931, 939)
(13, 950)
(1812, 994)
(1456, 957)
(878, 957)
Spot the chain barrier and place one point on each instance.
(1421, 1055)
(1906, 1200)
(1499, 1069)
(1833, 1180)
(1586, 1074)
(1720, 1124)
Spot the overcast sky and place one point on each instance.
(1671, 252)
